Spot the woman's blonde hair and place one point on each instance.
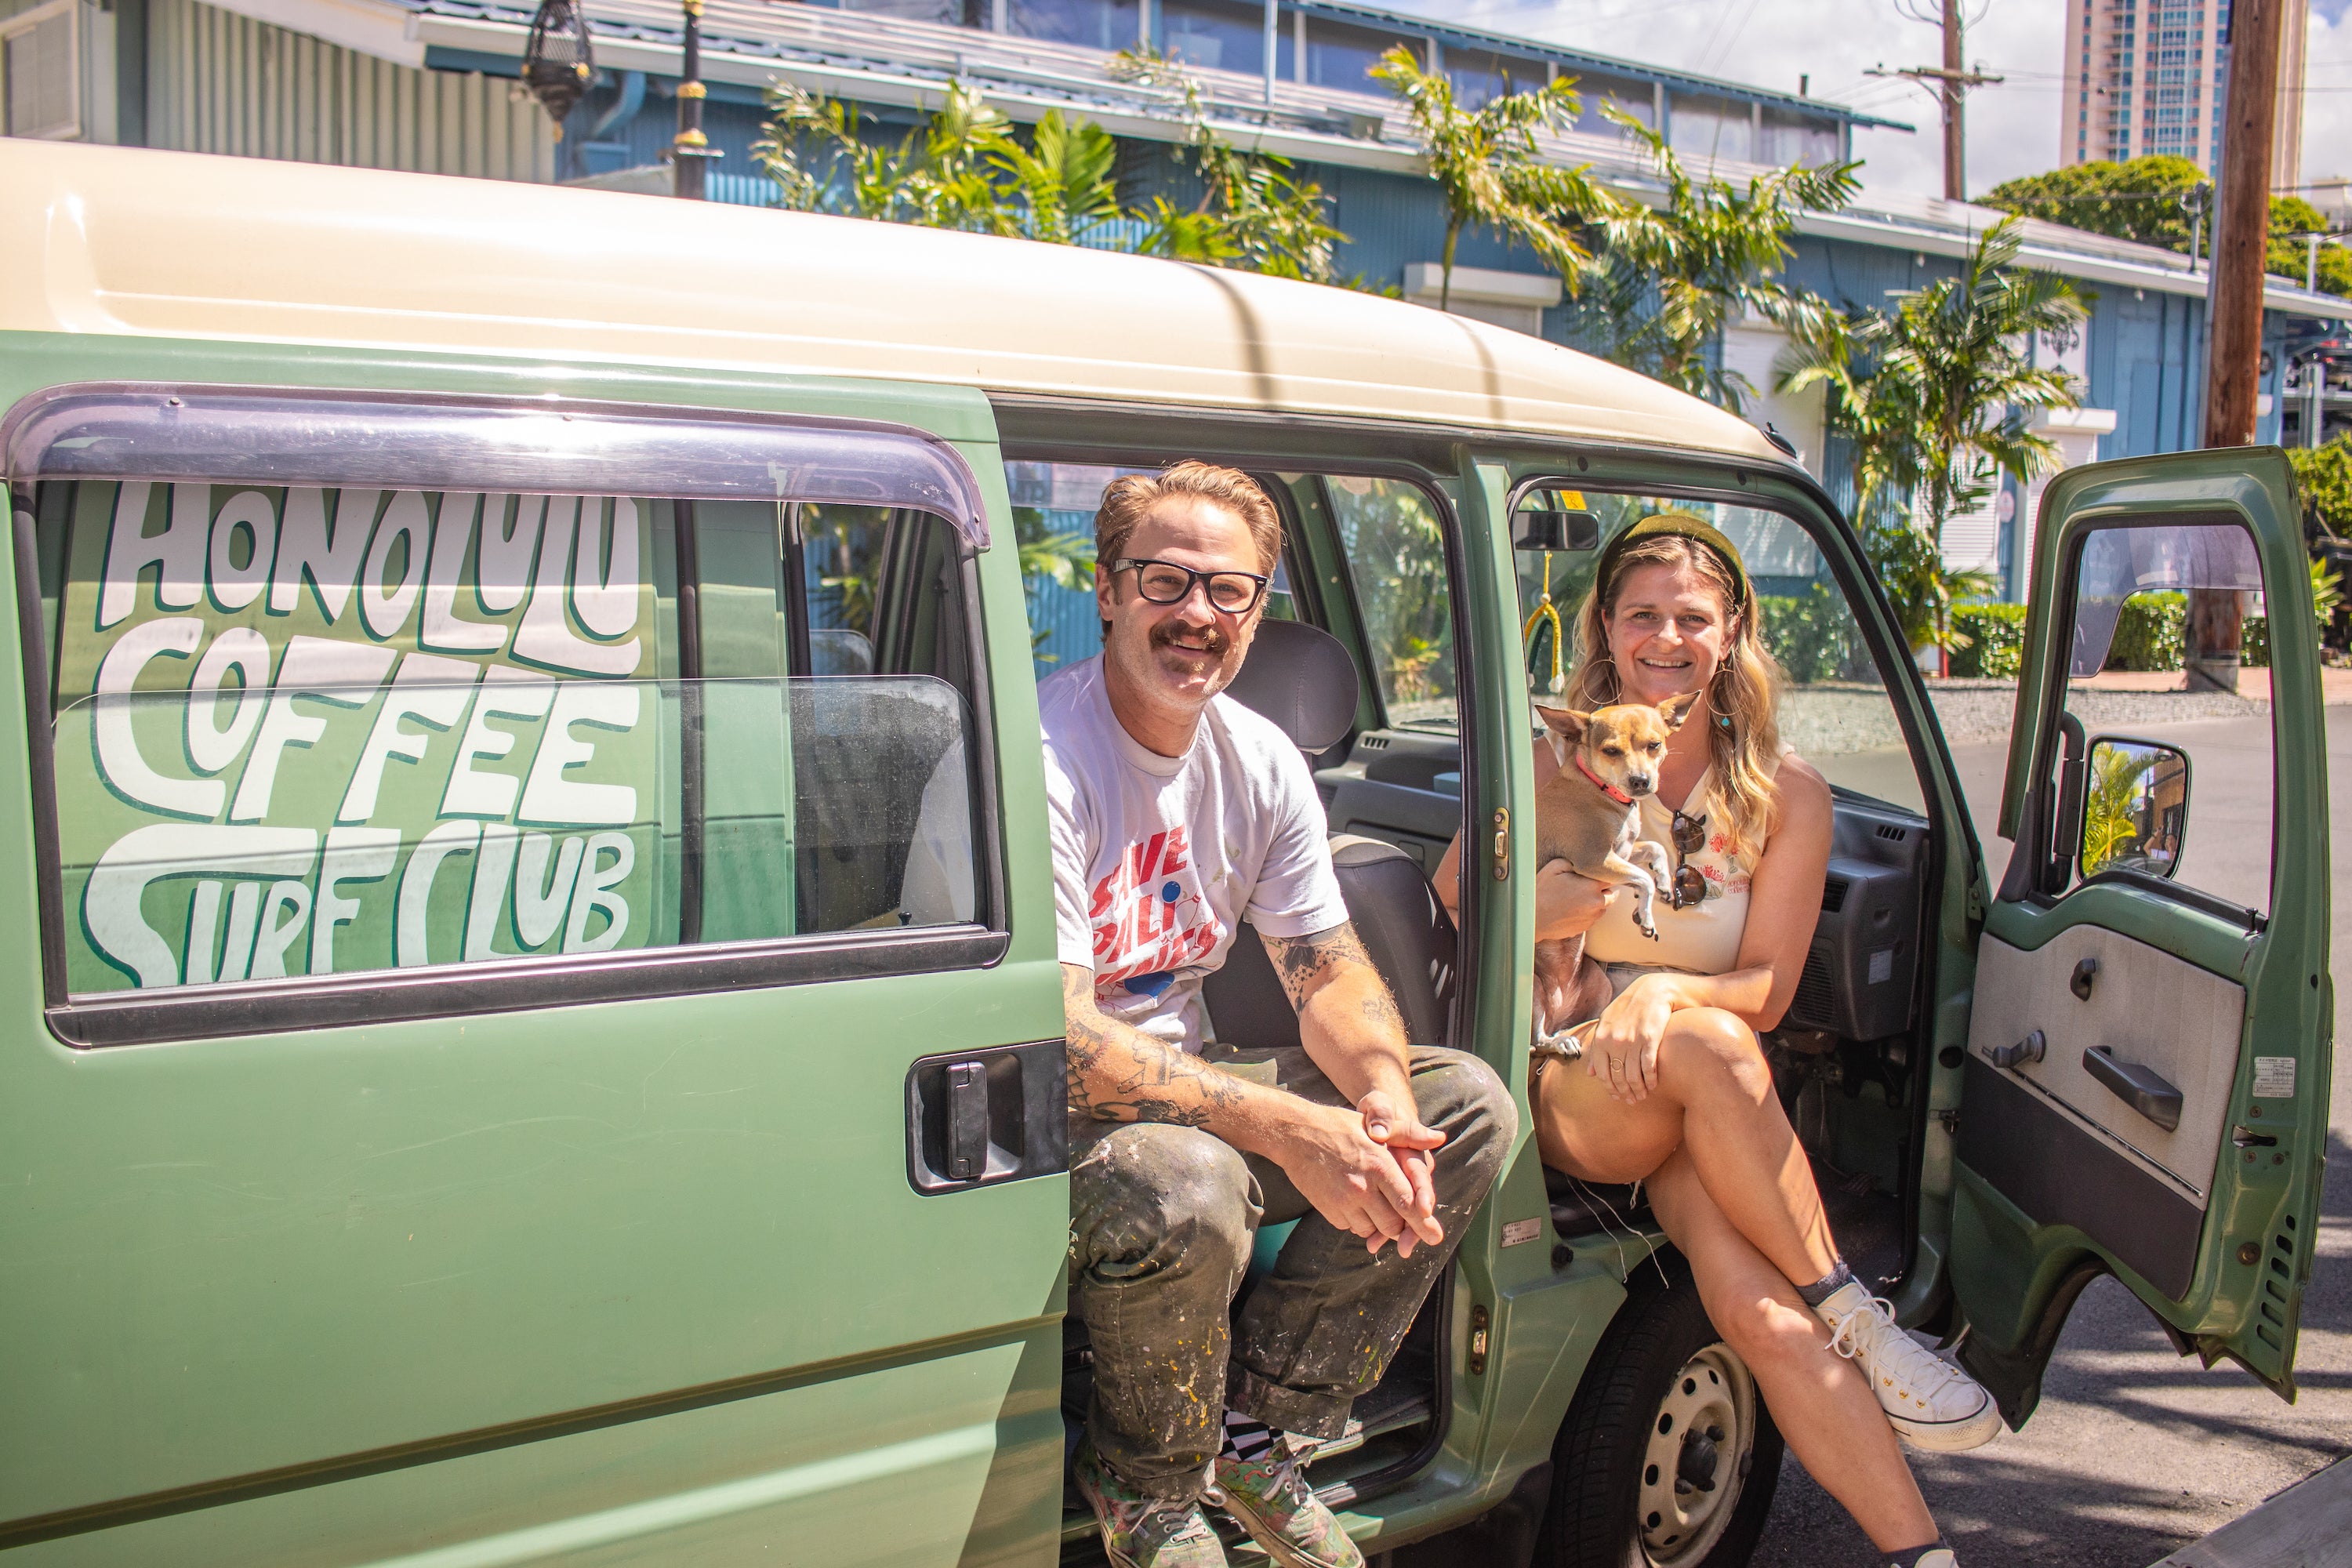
(1746, 688)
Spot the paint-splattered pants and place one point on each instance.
(1162, 1220)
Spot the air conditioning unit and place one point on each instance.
(56, 81)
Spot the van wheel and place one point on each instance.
(1668, 1457)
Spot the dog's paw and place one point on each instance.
(1649, 930)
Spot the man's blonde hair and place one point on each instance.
(1127, 501)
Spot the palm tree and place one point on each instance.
(1937, 394)
(2118, 781)
(1254, 213)
(1486, 164)
(1061, 182)
(1671, 276)
(963, 166)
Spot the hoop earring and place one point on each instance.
(1616, 682)
(1715, 700)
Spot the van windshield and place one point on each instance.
(1833, 707)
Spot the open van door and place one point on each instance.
(2145, 1084)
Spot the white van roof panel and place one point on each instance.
(177, 244)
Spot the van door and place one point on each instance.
(2145, 1084)
(520, 1042)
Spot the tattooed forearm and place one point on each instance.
(1117, 1073)
(1335, 988)
(1307, 963)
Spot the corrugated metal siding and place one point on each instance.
(1065, 625)
(224, 84)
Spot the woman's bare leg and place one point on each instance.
(1822, 1401)
(1715, 1100)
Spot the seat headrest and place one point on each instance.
(1300, 677)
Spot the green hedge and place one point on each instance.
(2150, 632)
(1813, 636)
(2254, 637)
(1996, 641)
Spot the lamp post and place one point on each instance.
(692, 148)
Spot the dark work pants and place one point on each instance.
(1163, 1219)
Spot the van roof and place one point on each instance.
(176, 245)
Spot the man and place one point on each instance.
(1177, 812)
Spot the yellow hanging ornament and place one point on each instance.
(1547, 615)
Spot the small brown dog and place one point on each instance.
(1589, 816)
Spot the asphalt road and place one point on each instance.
(2136, 1452)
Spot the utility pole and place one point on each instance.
(1956, 135)
(2241, 227)
(1950, 83)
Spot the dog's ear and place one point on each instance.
(1675, 710)
(1566, 723)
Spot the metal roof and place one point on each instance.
(1453, 34)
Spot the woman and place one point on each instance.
(1673, 1090)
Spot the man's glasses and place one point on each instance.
(1689, 835)
(1165, 583)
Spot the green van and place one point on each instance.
(536, 1036)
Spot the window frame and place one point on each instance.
(708, 454)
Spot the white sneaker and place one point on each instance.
(1930, 1402)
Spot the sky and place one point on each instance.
(2012, 128)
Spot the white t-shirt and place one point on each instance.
(1156, 858)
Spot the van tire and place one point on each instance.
(1660, 1345)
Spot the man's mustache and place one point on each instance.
(1213, 640)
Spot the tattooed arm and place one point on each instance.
(1351, 1026)
(1346, 1019)
(1119, 1073)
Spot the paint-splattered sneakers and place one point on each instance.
(1269, 1497)
(1930, 1402)
(1140, 1532)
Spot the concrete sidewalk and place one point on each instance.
(2255, 685)
(2309, 1525)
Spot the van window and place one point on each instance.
(1834, 709)
(2174, 783)
(1395, 552)
(312, 731)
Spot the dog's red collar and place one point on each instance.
(1612, 790)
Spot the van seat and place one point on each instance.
(1406, 931)
(880, 801)
(1302, 678)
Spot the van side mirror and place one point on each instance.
(1560, 528)
(2135, 807)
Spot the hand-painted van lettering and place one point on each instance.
(380, 728)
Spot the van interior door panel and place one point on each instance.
(2145, 1091)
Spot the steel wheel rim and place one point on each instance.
(1703, 1433)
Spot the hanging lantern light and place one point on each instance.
(558, 62)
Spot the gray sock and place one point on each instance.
(1910, 1555)
(1827, 1285)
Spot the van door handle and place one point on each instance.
(967, 1120)
(996, 1114)
(2028, 1049)
(2140, 1088)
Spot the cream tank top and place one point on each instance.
(1703, 939)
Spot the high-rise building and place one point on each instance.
(2152, 76)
